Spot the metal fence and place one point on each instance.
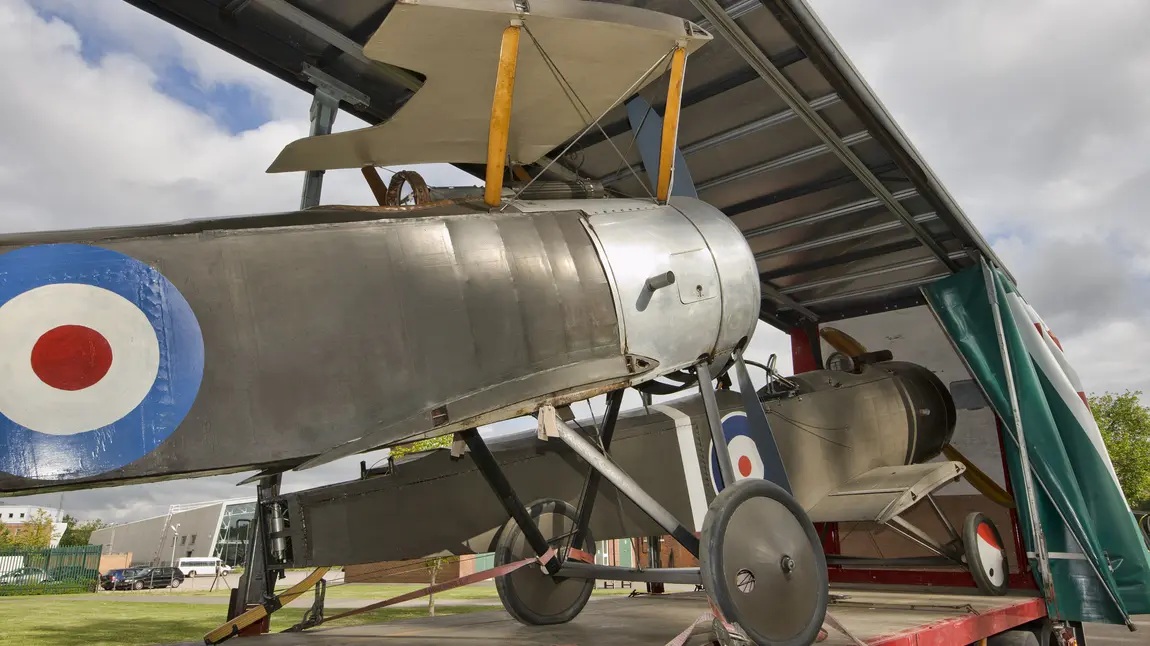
(58, 570)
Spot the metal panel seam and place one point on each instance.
(586, 222)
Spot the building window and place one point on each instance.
(21, 514)
(193, 539)
(183, 540)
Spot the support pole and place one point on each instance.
(1023, 453)
(671, 124)
(489, 467)
(591, 486)
(718, 440)
(627, 486)
(257, 583)
(324, 107)
(501, 114)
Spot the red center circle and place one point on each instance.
(71, 357)
(745, 466)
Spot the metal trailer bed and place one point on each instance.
(877, 617)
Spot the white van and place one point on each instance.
(202, 566)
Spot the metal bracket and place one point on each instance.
(335, 87)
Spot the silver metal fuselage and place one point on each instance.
(356, 328)
(838, 427)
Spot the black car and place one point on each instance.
(149, 577)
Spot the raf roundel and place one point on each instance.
(744, 452)
(101, 360)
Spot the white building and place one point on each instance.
(216, 528)
(20, 514)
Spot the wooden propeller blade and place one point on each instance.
(979, 480)
(842, 341)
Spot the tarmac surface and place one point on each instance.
(1106, 635)
(605, 621)
(656, 621)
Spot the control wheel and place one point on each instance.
(985, 554)
(763, 564)
(529, 594)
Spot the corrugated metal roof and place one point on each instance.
(778, 128)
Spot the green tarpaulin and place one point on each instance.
(1100, 567)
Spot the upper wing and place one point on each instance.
(602, 50)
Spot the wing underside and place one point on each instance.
(883, 493)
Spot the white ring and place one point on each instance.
(991, 558)
(30, 402)
(743, 446)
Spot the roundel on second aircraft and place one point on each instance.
(744, 452)
(101, 360)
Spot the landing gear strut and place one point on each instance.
(761, 560)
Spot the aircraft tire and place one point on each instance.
(529, 594)
(763, 564)
(985, 554)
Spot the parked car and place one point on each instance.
(108, 581)
(149, 577)
(25, 576)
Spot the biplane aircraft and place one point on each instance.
(283, 341)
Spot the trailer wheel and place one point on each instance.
(529, 594)
(1013, 638)
(763, 564)
(985, 554)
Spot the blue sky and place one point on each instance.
(236, 107)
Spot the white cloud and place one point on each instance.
(1034, 117)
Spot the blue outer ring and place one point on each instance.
(734, 425)
(31, 454)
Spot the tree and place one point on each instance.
(1125, 426)
(79, 533)
(434, 565)
(36, 531)
(441, 442)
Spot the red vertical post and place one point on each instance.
(1015, 527)
(802, 353)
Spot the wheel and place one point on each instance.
(985, 554)
(529, 594)
(191, 574)
(1013, 638)
(138, 585)
(175, 583)
(763, 564)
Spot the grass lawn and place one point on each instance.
(44, 621)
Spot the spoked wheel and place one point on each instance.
(529, 594)
(763, 564)
(985, 554)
